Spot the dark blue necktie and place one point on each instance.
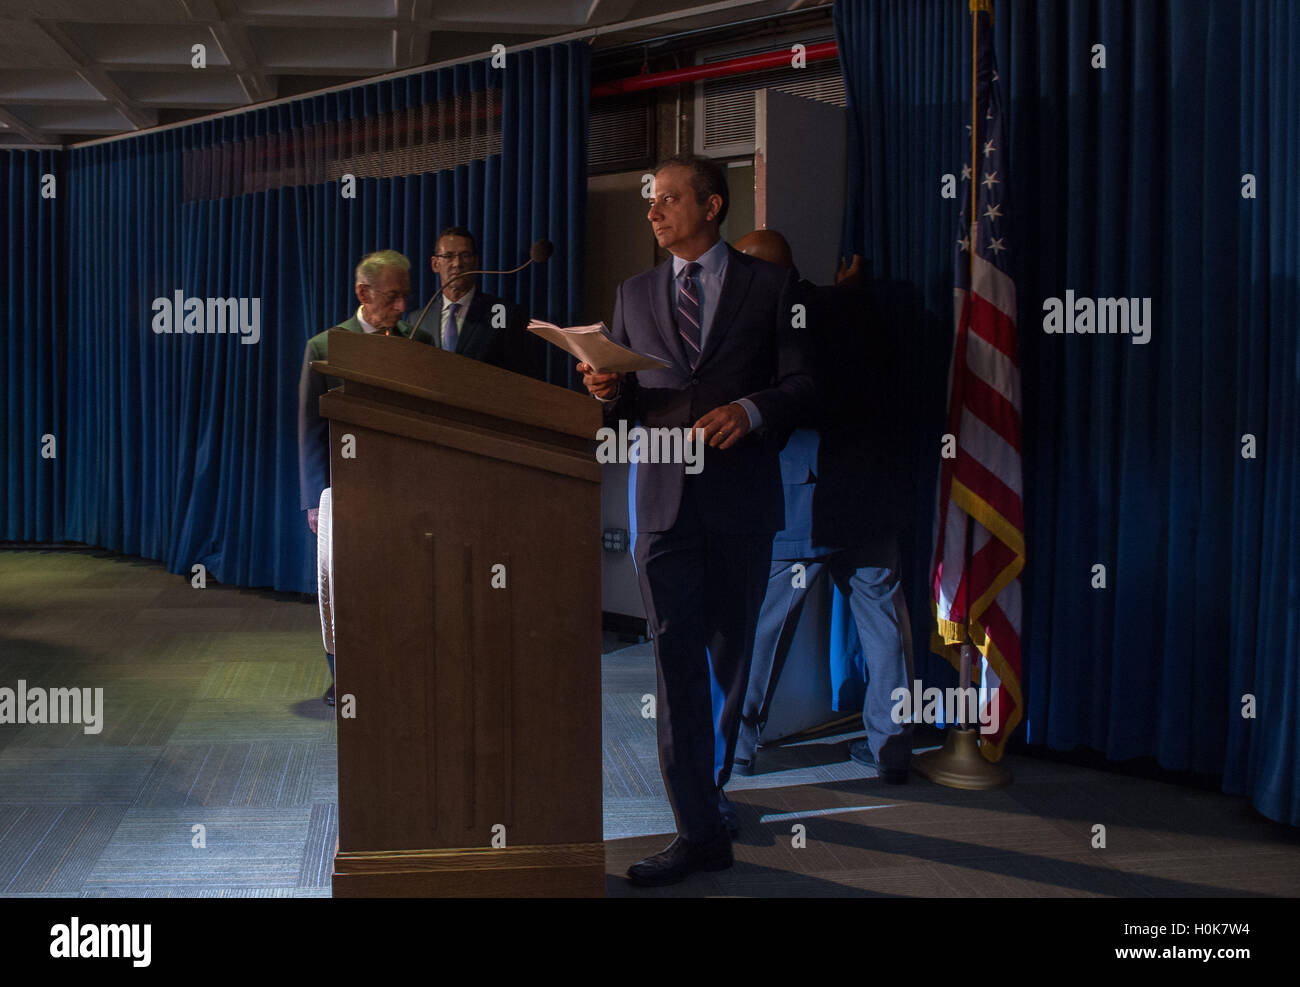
(689, 318)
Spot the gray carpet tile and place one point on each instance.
(325, 773)
(1249, 870)
(73, 633)
(218, 720)
(248, 774)
(177, 594)
(829, 867)
(266, 646)
(116, 571)
(630, 669)
(70, 776)
(55, 605)
(66, 565)
(626, 818)
(245, 847)
(263, 679)
(51, 849)
(43, 894)
(147, 647)
(1146, 816)
(213, 716)
(125, 722)
(164, 618)
(1039, 879)
(915, 831)
(322, 841)
(292, 617)
(185, 891)
(631, 770)
(1003, 875)
(64, 669)
(131, 710)
(623, 714)
(133, 677)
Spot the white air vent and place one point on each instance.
(724, 108)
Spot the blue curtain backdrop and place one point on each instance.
(1125, 181)
(183, 447)
(34, 194)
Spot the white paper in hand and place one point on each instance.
(592, 346)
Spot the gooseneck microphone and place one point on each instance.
(539, 253)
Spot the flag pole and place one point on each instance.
(975, 7)
(964, 676)
(959, 763)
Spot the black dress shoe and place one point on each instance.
(682, 858)
(860, 751)
(328, 698)
(745, 766)
(730, 817)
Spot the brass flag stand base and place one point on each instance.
(959, 763)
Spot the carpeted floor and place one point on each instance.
(214, 775)
(214, 771)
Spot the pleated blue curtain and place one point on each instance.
(34, 195)
(544, 146)
(1125, 181)
(183, 447)
(125, 396)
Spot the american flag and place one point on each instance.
(979, 540)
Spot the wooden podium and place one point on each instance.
(466, 507)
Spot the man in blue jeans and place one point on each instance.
(846, 488)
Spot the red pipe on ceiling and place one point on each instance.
(736, 66)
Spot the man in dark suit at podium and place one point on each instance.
(473, 323)
(739, 375)
(383, 283)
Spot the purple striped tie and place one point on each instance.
(688, 312)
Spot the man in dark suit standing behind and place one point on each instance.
(848, 495)
(740, 376)
(473, 323)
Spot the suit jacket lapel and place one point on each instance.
(735, 285)
(475, 320)
(661, 294)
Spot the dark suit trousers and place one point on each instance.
(702, 592)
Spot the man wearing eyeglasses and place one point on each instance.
(383, 284)
(474, 323)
